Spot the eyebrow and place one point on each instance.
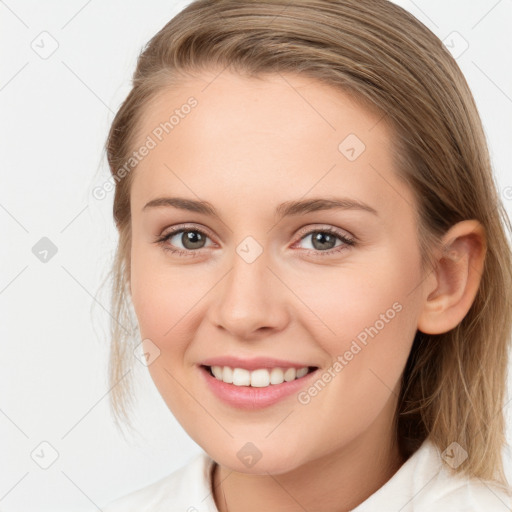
(286, 209)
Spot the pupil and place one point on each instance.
(325, 240)
(192, 240)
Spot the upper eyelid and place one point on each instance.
(306, 230)
(186, 227)
(302, 232)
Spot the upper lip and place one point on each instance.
(252, 363)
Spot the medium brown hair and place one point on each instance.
(453, 386)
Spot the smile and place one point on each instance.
(258, 387)
(258, 378)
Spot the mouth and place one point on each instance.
(257, 382)
(259, 377)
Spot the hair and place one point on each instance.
(453, 385)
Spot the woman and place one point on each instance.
(313, 244)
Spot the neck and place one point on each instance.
(336, 482)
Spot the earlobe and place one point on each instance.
(456, 278)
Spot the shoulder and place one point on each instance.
(448, 491)
(470, 495)
(425, 483)
(187, 489)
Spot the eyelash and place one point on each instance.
(162, 240)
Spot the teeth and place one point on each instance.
(301, 372)
(241, 377)
(290, 374)
(260, 378)
(217, 372)
(276, 376)
(226, 375)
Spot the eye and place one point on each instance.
(191, 239)
(323, 241)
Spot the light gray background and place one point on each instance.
(56, 110)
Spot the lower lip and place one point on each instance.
(248, 397)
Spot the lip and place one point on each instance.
(251, 398)
(253, 363)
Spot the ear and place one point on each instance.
(453, 284)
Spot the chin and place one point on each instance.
(251, 460)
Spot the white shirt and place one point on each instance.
(422, 484)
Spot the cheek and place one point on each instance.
(356, 300)
(167, 301)
(373, 317)
(368, 322)
(156, 296)
(161, 299)
(368, 352)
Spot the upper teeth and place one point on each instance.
(257, 378)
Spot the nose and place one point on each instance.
(250, 301)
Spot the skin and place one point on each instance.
(248, 146)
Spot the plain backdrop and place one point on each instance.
(66, 67)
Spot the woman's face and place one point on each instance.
(260, 284)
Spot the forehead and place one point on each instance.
(282, 135)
